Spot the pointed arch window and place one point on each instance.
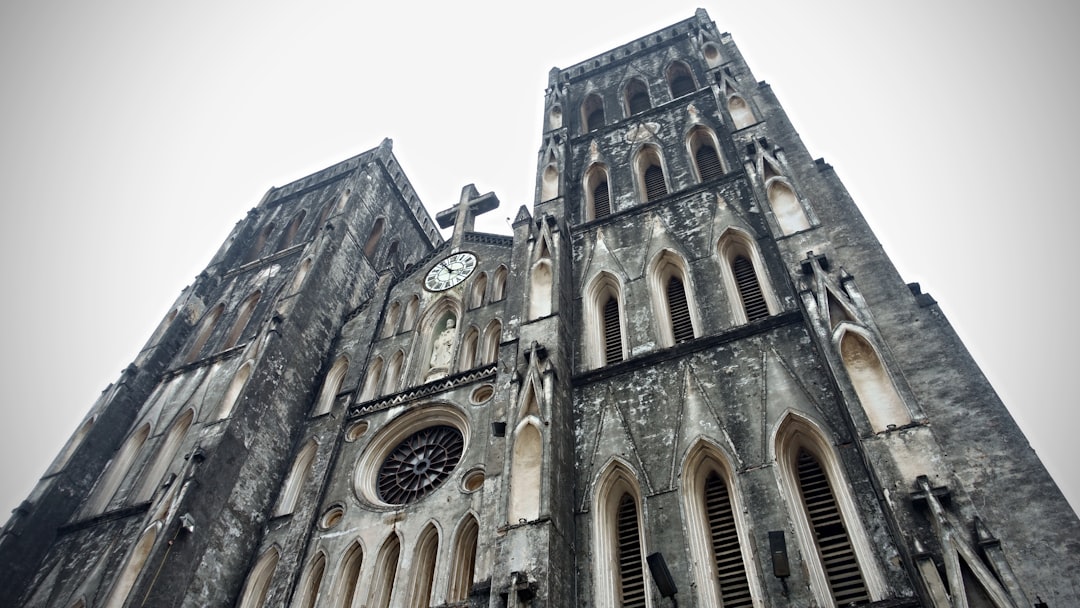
(347, 593)
(540, 284)
(637, 97)
(258, 583)
(373, 380)
(746, 285)
(331, 386)
(170, 445)
(479, 286)
(298, 474)
(464, 566)
(427, 550)
(549, 183)
(301, 274)
(489, 349)
(374, 237)
(243, 317)
(118, 468)
(260, 242)
(309, 589)
(392, 384)
(289, 235)
(498, 284)
(525, 477)
(671, 299)
(680, 80)
(786, 207)
(205, 329)
(620, 553)
(650, 169)
(606, 340)
(409, 321)
(389, 327)
(386, 567)
(597, 193)
(133, 567)
(703, 148)
(741, 114)
(470, 345)
(872, 382)
(592, 113)
(839, 554)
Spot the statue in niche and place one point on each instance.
(442, 351)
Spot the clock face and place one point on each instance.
(450, 271)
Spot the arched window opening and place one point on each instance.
(712, 54)
(289, 235)
(228, 402)
(116, 471)
(132, 568)
(298, 474)
(165, 456)
(741, 115)
(392, 383)
(637, 97)
(258, 583)
(753, 300)
(727, 555)
(260, 242)
(549, 183)
(631, 584)
(373, 238)
(243, 317)
(386, 567)
(301, 274)
(464, 566)
(348, 583)
(787, 208)
(427, 550)
(409, 321)
(592, 113)
(309, 590)
(373, 380)
(598, 195)
(331, 386)
(489, 350)
(498, 284)
(540, 284)
(469, 349)
(682, 328)
(605, 339)
(389, 327)
(703, 148)
(73, 444)
(834, 548)
(525, 478)
(873, 385)
(391, 254)
(479, 286)
(651, 174)
(205, 329)
(680, 80)
(555, 118)
(613, 351)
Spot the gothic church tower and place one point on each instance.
(689, 374)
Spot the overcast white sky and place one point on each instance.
(135, 134)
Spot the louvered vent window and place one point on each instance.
(631, 574)
(595, 119)
(601, 201)
(731, 574)
(708, 163)
(612, 332)
(682, 85)
(682, 329)
(639, 102)
(654, 183)
(749, 289)
(837, 556)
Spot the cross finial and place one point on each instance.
(462, 215)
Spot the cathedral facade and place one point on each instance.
(690, 376)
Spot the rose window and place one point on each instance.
(419, 464)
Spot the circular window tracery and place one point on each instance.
(419, 464)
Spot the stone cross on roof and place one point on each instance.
(462, 215)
